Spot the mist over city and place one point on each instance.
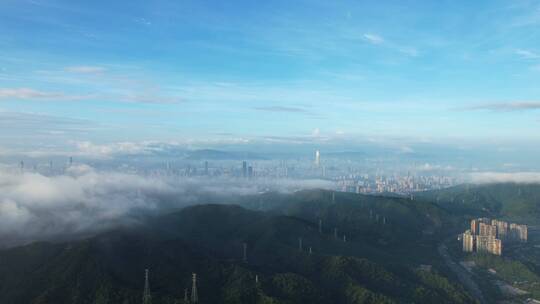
(277, 152)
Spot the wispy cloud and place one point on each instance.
(507, 107)
(143, 21)
(86, 69)
(281, 109)
(413, 52)
(27, 93)
(527, 54)
(373, 39)
(379, 40)
(156, 97)
(32, 126)
(150, 98)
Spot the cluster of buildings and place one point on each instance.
(393, 183)
(488, 236)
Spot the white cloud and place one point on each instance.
(406, 149)
(86, 148)
(373, 39)
(84, 201)
(378, 40)
(527, 54)
(508, 106)
(27, 93)
(86, 69)
(498, 177)
(409, 51)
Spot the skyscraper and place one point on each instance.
(244, 169)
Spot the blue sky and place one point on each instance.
(233, 71)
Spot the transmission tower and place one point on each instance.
(245, 253)
(147, 297)
(194, 295)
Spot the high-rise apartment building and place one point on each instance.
(487, 230)
(502, 229)
(468, 241)
(519, 232)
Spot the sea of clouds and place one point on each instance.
(84, 201)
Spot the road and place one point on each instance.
(463, 275)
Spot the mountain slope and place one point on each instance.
(208, 240)
(519, 202)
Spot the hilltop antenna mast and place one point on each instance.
(245, 253)
(194, 295)
(147, 297)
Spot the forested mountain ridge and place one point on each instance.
(209, 240)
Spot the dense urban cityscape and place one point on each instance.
(339, 174)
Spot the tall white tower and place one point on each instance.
(317, 158)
